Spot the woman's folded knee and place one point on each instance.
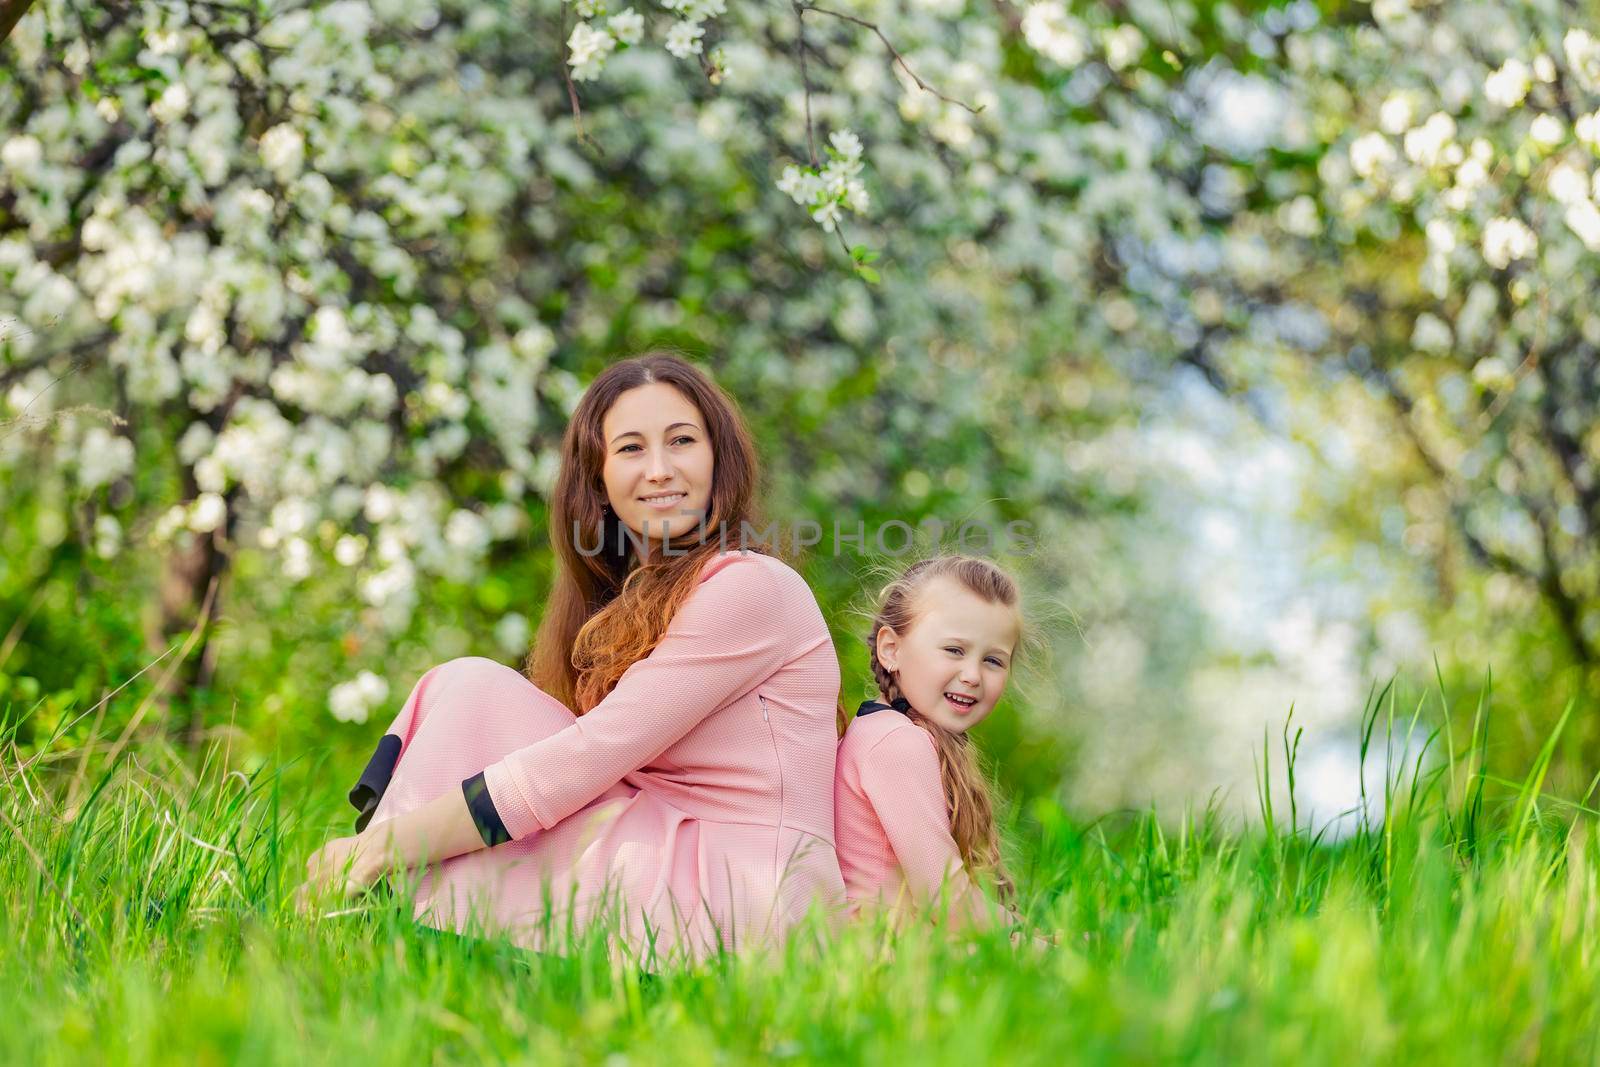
(488, 677)
(464, 667)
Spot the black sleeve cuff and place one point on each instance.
(369, 788)
(481, 805)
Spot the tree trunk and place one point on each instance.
(186, 575)
(11, 12)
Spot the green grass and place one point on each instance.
(147, 913)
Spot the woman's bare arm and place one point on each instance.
(439, 830)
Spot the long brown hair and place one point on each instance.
(606, 611)
(966, 787)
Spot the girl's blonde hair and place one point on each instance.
(966, 788)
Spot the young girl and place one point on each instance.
(914, 820)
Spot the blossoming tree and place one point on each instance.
(321, 282)
(1445, 230)
(317, 284)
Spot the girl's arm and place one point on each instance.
(900, 776)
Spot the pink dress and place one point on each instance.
(693, 807)
(892, 823)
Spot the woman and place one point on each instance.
(669, 768)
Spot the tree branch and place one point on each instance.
(572, 90)
(1546, 576)
(893, 51)
(805, 80)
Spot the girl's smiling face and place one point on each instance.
(958, 650)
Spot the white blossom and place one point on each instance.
(1587, 129)
(1054, 34)
(349, 549)
(107, 536)
(827, 214)
(697, 10)
(172, 520)
(505, 520)
(194, 443)
(1396, 113)
(1567, 183)
(207, 513)
(354, 700)
(1491, 372)
(292, 515)
(1508, 85)
(1546, 130)
(21, 156)
(31, 395)
(164, 41)
(1505, 240)
(103, 457)
(1472, 174)
(1370, 153)
(1299, 217)
(1430, 333)
(1441, 237)
(296, 559)
(1391, 11)
(1583, 218)
(1583, 57)
(588, 48)
(1426, 144)
(467, 531)
(283, 151)
(380, 504)
(855, 197)
(53, 295)
(171, 104)
(800, 185)
(627, 26)
(512, 633)
(1124, 45)
(683, 39)
(76, 57)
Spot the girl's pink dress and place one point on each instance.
(892, 822)
(693, 807)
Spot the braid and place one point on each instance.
(888, 687)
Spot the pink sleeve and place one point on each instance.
(726, 639)
(900, 776)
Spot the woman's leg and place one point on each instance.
(460, 717)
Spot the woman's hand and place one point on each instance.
(347, 865)
(439, 830)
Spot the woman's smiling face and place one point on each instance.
(659, 462)
(958, 650)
